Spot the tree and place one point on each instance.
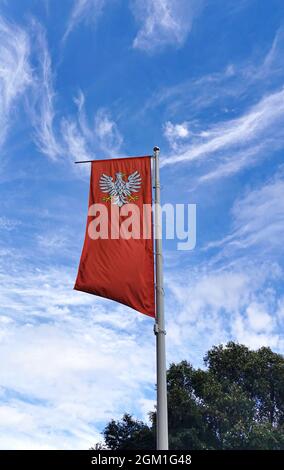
(128, 434)
(237, 402)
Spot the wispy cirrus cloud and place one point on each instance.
(225, 89)
(42, 106)
(83, 10)
(163, 22)
(243, 132)
(8, 224)
(75, 141)
(35, 82)
(85, 141)
(257, 221)
(106, 130)
(259, 215)
(15, 70)
(70, 136)
(259, 128)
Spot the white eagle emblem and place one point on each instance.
(120, 190)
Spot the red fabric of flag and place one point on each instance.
(120, 265)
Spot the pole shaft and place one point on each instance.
(162, 407)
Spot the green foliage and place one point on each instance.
(236, 403)
(128, 434)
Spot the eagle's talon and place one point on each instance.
(107, 198)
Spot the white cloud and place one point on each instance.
(252, 252)
(237, 161)
(212, 305)
(280, 310)
(163, 22)
(245, 334)
(259, 215)
(227, 140)
(84, 141)
(225, 89)
(60, 346)
(83, 10)
(174, 133)
(8, 224)
(242, 134)
(146, 405)
(74, 361)
(15, 71)
(31, 426)
(109, 137)
(52, 241)
(75, 141)
(72, 136)
(258, 221)
(42, 107)
(18, 77)
(258, 318)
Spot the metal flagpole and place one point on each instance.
(159, 327)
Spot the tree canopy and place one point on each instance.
(237, 402)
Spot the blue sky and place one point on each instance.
(84, 79)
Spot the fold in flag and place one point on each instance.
(117, 260)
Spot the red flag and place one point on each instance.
(117, 260)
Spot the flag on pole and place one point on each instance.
(117, 260)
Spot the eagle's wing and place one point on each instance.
(133, 184)
(107, 185)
